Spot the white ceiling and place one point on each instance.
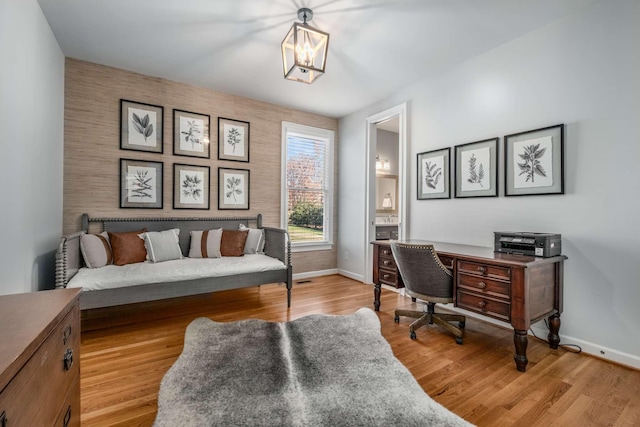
(376, 46)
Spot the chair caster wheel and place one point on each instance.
(412, 335)
(396, 319)
(461, 325)
(458, 340)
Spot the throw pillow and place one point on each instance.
(162, 245)
(127, 247)
(255, 240)
(232, 242)
(96, 250)
(205, 244)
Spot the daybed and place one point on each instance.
(113, 285)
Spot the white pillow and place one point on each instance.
(96, 250)
(255, 240)
(205, 244)
(162, 245)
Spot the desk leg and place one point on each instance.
(520, 341)
(376, 296)
(554, 329)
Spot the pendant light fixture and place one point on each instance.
(304, 50)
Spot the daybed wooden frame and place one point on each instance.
(69, 260)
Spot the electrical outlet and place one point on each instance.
(346, 255)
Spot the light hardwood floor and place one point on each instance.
(122, 364)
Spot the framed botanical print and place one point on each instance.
(191, 134)
(233, 140)
(233, 188)
(141, 126)
(534, 162)
(476, 169)
(190, 186)
(433, 174)
(140, 184)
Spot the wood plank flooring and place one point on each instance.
(122, 362)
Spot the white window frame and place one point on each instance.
(328, 135)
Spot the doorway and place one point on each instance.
(386, 185)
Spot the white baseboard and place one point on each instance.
(317, 273)
(350, 275)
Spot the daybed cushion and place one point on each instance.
(113, 276)
(255, 240)
(127, 247)
(232, 242)
(162, 245)
(96, 250)
(205, 244)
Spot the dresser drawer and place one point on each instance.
(484, 286)
(35, 396)
(487, 270)
(484, 305)
(385, 251)
(386, 262)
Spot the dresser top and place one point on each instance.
(25, 321)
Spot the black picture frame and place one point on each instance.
(534, 155)
(141, 126)
(434, 174)
(233, 189)
(141, 184)
(476, 169)
(233, 140)
(191, 186)
(191, 134)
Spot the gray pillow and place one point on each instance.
(162, 245)
(96, 250)
(255, 240)
(205, 244)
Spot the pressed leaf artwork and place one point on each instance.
(191, 187)
(475, 169)
(233, 189)
(191, 134)
(432, 175)
(141, 130)
(141, 184)
(233, 140)
(533, 159)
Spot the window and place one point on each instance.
(307, 181)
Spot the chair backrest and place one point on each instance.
(422, 272)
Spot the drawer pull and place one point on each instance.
(67, 417)
(482, 304)
(386, 262)
(482, 269)
(386, 277)
(482, 285)
(66, 335)
(3, 419)
(386, 252)
(68, 359)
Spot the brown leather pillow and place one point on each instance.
(127, 247)
(232, 242)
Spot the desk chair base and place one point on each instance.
(430, 317)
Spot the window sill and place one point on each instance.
(308, 247)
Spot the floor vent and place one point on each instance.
(299, 282)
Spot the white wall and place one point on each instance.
(31, 144)
(581, 71)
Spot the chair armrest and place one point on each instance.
(277, 244)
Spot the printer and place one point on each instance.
(522, 243)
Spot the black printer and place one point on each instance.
(522, 243)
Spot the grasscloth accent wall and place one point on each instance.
(92, 147)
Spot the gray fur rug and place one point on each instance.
(318, 370)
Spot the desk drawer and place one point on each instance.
(484, 305)
(385, 251)
(484, 286)
(388, 263)
(388, 277)
(486, 270)
(446, 260)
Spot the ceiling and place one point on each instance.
(376, 47)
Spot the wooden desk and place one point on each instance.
(516, 289)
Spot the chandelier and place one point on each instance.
(304, 50)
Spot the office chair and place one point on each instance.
(427, 279)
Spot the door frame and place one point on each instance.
(399, 111)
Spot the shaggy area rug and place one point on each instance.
(319, 370)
